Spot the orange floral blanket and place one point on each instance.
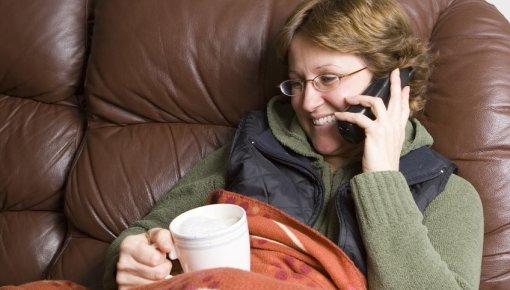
(285, 254)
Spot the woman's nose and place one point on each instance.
(312, 98)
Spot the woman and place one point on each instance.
(390, 202)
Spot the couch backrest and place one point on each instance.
(42, 55)
(166, 83)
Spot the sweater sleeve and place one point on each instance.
(441, 249)
(189, 192)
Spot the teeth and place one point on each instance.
(324, 120)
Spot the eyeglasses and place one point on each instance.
(322, 83)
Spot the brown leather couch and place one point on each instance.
(104, 105)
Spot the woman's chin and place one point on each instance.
(328, 147)
(327, 141)
(333, 146)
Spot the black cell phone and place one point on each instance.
(379, 88)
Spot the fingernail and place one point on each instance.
(172, 255)
(168, 277)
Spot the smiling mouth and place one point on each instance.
(324, 120)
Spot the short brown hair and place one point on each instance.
(376, 30)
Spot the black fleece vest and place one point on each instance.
(260, 167)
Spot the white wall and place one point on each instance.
(503, 6)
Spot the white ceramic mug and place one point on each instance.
(212, 236)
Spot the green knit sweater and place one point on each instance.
(440, 249)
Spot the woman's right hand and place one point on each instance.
(143, 258)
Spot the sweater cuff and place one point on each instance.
(383, 198)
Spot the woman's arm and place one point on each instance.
(441, 249)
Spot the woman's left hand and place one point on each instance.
(384, 135)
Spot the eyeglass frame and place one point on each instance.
(315, 83)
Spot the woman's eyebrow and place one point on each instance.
(329, 65)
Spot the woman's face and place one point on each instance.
(315, 109)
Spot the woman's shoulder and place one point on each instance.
(457, 185)
(212, 167)
(459, 197)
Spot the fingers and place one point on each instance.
(376, 105)
(406, 110)
(355, 118)
(395, 82)
(129, 276)
(398, 105)
(399, 101)
(162, 239)
(395, 102)
(141, 261)
(141, 251)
